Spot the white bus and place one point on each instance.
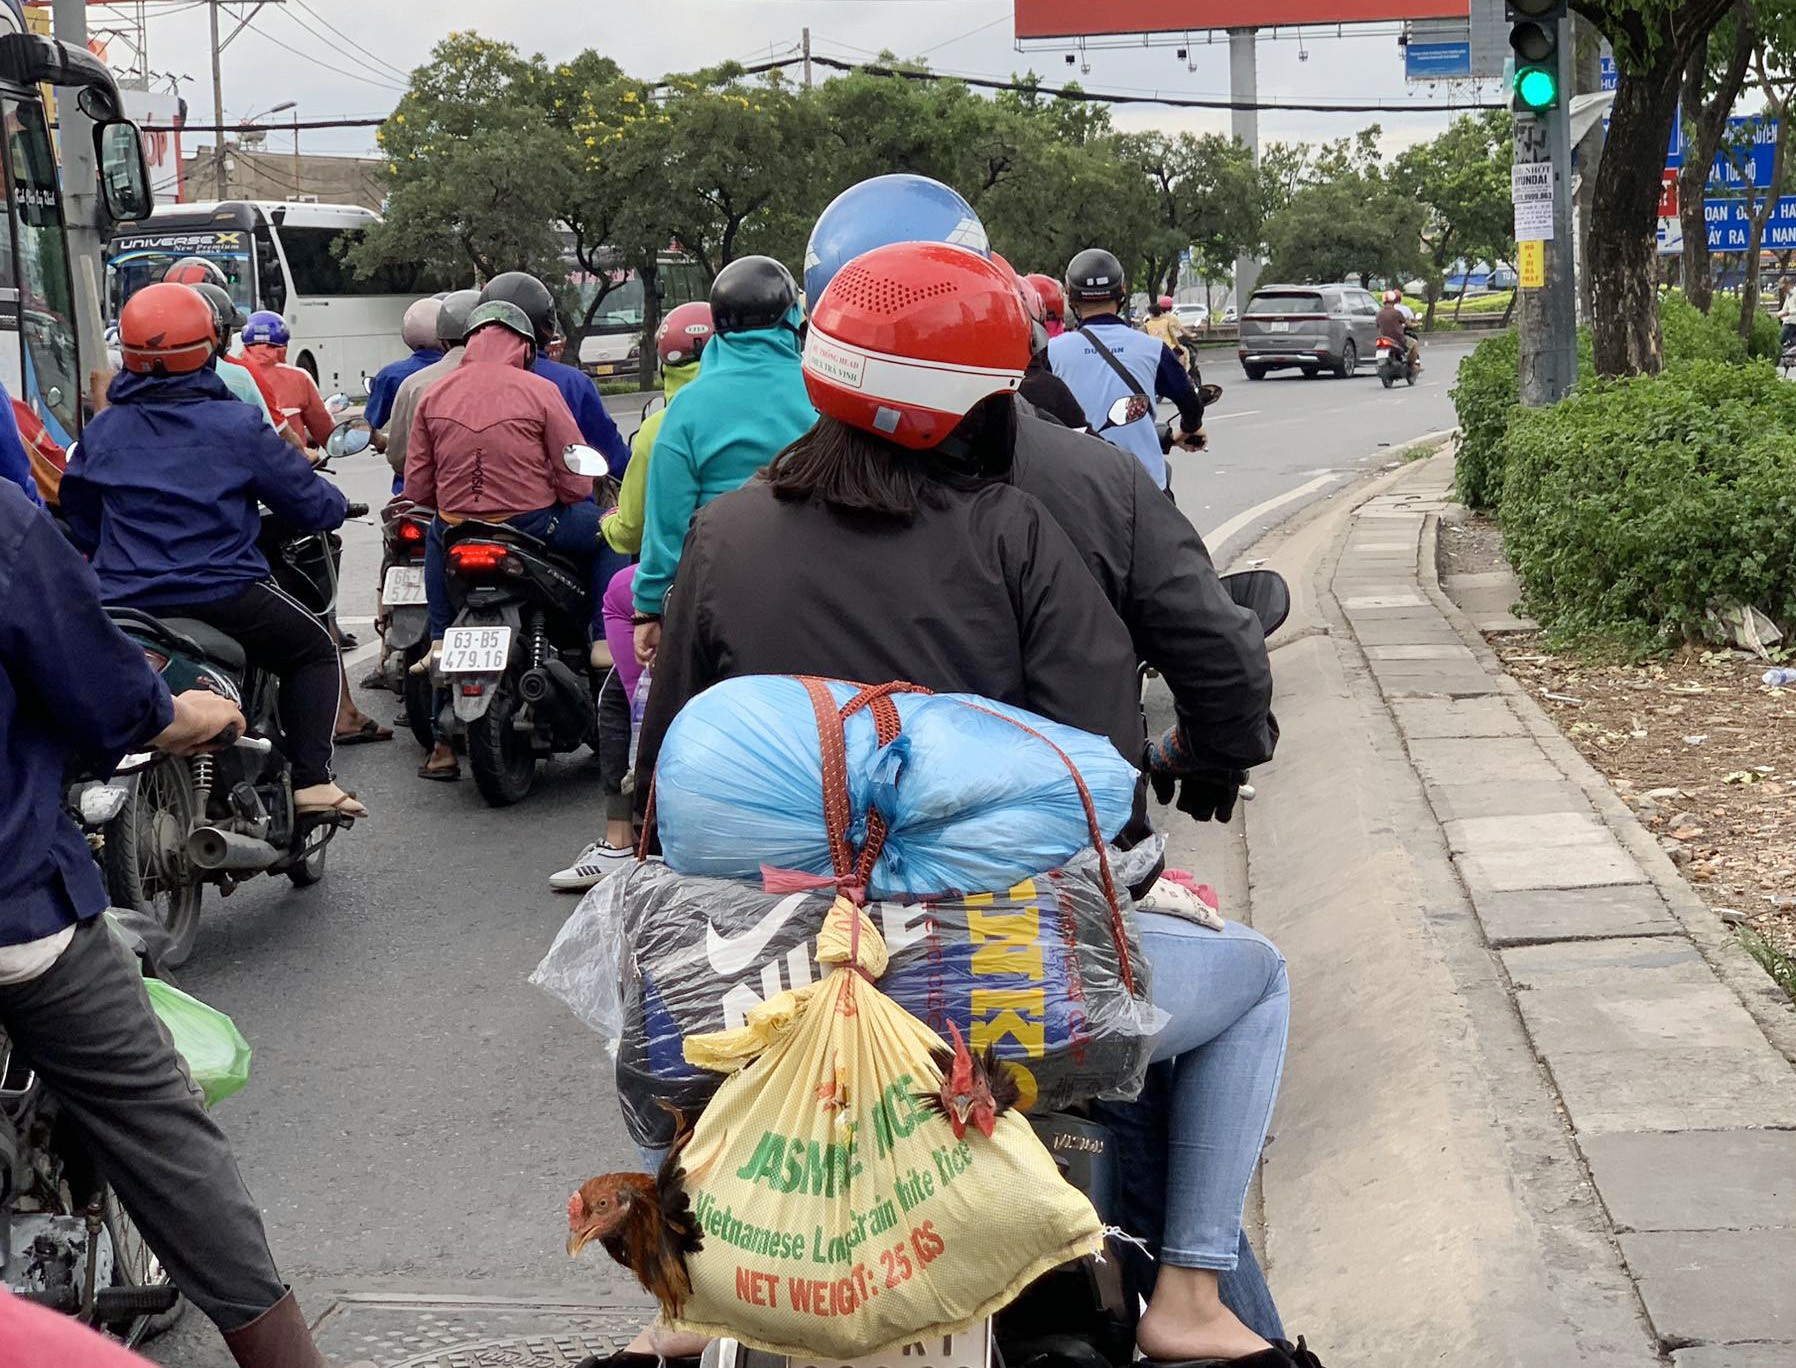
(287, 258)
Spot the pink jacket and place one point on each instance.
(487, 440)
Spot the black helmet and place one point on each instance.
(530, 295)
(1094, 276)
(501, 313)
(750, 293)
(224, 309)
(452, 318)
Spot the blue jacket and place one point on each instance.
(590, 415)
(1097, 386)
(748, 404)
(73, 691)
(384, 387)
(15, 464)
(163, 486)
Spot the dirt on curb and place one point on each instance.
(1700, 747)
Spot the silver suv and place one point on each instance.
(1309, 327)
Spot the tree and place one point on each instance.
(1207, 200)
(1654, 42)
(1353, 226)
(1712, 81)
(1461, 179)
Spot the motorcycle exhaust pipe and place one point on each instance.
(212, 848)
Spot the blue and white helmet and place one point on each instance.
(266, 328)
(883, 211)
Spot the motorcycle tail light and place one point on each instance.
(411, 532)
(158, 661)
(475, 556)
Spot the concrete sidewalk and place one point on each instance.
(1540, 1109)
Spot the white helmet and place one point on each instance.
(420, 326)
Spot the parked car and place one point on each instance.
(1194, 317)
(1311, 328)
(1504, 279)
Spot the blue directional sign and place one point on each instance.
(1730, 225)
(1438, 61)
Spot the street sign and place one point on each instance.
(1531, 187)
(1438, 61)
(1730, 225)
(1611, 77)
(1668, 195)
(1531, 264)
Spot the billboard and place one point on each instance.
(1084, 19)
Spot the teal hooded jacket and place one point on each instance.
(747, 405)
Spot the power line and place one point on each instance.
(371, 74)
(378, 59)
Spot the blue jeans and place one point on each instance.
(571, 529)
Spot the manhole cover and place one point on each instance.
(483, 1332)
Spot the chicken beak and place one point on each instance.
(577, 1241)
(962, 1107)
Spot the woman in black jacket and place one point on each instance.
(887, 544)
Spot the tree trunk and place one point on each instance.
(1764, 211)
(649, 273)
(1624, 224)
(1588, 154)
(1707, 121)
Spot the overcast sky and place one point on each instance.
(293, 51)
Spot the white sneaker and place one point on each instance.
(593, 866)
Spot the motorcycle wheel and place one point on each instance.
(500, 755)
(420, 699)
(145, 855)
(1410, 376)
(133, 1265)
(304, 873)
(1384, 374)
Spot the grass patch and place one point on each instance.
(1775, 962)
(626, 387)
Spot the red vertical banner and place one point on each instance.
(1668, 196)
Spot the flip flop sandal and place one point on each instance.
(345, 806)
(447, 774)
(370, 732)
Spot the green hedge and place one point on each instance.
(1633, 503)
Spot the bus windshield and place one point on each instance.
(139, 259)
(623, 309)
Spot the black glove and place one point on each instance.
(1206, 792)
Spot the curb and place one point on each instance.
(1721, 950)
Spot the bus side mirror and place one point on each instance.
(124, 175)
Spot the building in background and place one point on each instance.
(252, 172)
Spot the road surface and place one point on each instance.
(418, 1114)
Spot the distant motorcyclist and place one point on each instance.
(597, 428)
(1164, 324)
(1053, 300)
(163, 492)
(1046, 391)
(747, 405)
(265, 339)
(75, 693)
(205, 276)
(418, 330)
(1106, 360)
(1396, 323)
(452, 337)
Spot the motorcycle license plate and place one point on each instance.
(476, 650)
(404, 586)
(1278, 327)
(969, 1348)
(1385, 354)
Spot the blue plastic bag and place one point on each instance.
(971, 801)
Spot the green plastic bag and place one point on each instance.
(217, 1055)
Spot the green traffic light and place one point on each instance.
(1537, 88)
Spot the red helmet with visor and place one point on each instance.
(166, 330)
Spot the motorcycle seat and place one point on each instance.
(220, 647)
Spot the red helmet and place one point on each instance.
(196, 270)
(167, 330)
(1165, 302)
(684, 333)
(909, 339)
(1053, 296)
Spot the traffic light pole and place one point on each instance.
(1547, 313)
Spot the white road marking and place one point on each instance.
(1244, 413)
(1216, 539)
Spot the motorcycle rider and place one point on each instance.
(680, 344)
(1041, 387)
(1094, 359)
(206, 276)
(1164, 324)
(418, 330)
(1053, 300)
(75, 693)
(265, 339)
(162, 491)
(746, 406)
(886, 543)
(1398, 325)
(597, 428)
(452, 338)
(1157, 574)
(487, 443)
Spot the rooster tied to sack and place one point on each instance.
(646, 1224)
(976, 1088)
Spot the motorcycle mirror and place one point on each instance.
(1264, 593)
(338, 403)
(1210, 394)
(1122, 412)
(351, 437)
(585, 460)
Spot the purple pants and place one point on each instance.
(620, 636)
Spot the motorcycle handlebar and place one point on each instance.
(356, 510)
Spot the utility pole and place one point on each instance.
(807, 58)
(297, 183)
(218, 149)
(80, 183)
(1244, 94)
(1546, 246)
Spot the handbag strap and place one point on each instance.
(1128, 377)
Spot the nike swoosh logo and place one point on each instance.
(730, 955)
